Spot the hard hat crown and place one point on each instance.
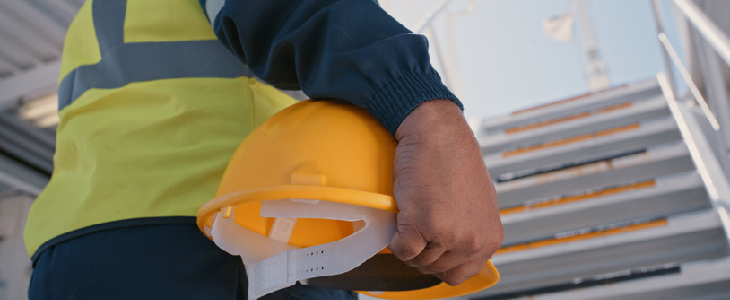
(349, 147)
(327, 144)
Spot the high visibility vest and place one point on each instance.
(152, 106)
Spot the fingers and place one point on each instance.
(428, 255)
(461, 273)
(407, 245)
(445, 262)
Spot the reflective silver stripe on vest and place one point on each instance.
(213, 8)
(122, 64)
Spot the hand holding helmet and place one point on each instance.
(448, 222)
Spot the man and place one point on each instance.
(152, 105)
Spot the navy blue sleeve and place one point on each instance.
(348, 50)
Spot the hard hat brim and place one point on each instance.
(325, 193)
(487, 277)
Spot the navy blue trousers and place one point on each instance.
(149, 262)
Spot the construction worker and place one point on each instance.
(154, 97)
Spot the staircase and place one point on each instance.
(612, 195)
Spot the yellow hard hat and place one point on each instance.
(310, 194)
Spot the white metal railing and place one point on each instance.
(688, 80)
(672, 60)
(706, 28)
(713, 50)
(671, 56)
(709, 166)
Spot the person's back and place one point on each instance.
(150, 116)
(152, 106)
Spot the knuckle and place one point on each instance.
(472, 244)
(418, 261)
(495, 241)
(486, 243)
(405, 252)
(421, 260)
(433, 228)
(406, 245)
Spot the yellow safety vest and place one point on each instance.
(152, 107)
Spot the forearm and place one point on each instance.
(346, 50)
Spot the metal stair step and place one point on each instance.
(706, 279)
(647, 134)
(675, 239)
(652, 109)
(552, 111)
(655, 162)
(668, 195)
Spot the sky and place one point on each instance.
(505, 63)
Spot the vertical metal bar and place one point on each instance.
(445, 71)
(428, 18)
(714, 87)
(707, 28)
(688, 80)
(668, 69)
(450, 62)
(430, 33)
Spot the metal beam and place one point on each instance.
(15, 54)
(706, 27)
(63, 9)
(659, 21)
(6, 68)
(15, 87)
(16, 183)
(27, 38)
(40, 21)
(717, 97)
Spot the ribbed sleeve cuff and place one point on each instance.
(396, 99)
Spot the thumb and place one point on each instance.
(407, 244)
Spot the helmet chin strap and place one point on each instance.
(272, 265)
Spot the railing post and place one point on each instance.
(706, 27)
(668, 69)
(717, 98)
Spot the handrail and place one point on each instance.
(716, 38)
(669, 52)
(708, 166)
(659, 19)
(688, 80)
(428, 18)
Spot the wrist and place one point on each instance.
(432, 117)
(396, 98)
